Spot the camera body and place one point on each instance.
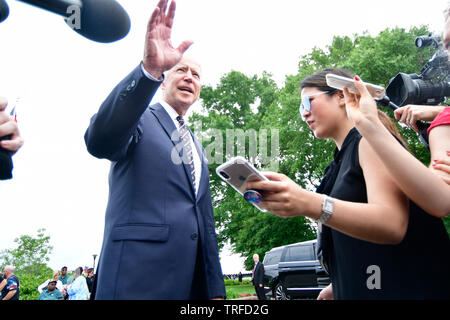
(430, 87)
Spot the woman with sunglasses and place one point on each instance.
(373, 242)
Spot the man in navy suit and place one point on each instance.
(159, 240)
(258, 278)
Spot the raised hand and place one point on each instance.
(159, 54)
(361, 108)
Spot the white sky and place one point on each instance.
(62, 78)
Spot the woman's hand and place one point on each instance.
(443, 166)
(281, 196)
(361, 108)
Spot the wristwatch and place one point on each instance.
(327, 210)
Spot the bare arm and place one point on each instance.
(10, 295)
(417, 181)
(2, 284)
(412, 113)
(383, 220)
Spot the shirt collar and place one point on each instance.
(171, 111)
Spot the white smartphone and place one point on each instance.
(237, 172)
(340, 83)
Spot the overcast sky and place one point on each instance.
(62, 78)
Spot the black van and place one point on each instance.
(293, 271)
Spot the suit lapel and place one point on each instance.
(170, 129)
(204, 163)
(166, 123)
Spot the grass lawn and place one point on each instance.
(234, 291)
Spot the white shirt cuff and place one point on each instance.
(148, 75)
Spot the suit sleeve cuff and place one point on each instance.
(148, 75)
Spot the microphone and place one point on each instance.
(98, 20)
(4, 10)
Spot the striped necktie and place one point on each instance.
(187, 147)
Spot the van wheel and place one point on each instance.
(280, 293)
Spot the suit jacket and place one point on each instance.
(159, 238)
(258, 275)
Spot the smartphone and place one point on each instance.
(237, 172)
(340, 83)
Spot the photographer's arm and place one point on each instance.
(415, 179)
(412, 113)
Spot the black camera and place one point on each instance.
(406, 89)
(429, 87)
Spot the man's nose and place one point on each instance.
(188, 75)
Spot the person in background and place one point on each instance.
(64, 277)
(12, 289)
(78, 290)
(55, 277)
(90, 279)
(51, 293)
(258, 278)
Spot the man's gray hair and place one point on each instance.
(10, 269)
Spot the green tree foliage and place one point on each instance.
(29, 258)
(256, 103)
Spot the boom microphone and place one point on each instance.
(97, 20)
(4, 10)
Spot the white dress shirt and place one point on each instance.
(173, 115)
(197, 162)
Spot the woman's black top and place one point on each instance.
(417, 268)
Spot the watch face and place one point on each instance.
(328, 206)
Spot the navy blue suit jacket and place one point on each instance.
(159, 239)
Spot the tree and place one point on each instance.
(31, 253)
(29, 258)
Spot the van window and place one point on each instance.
(299, 253)
(272, 257)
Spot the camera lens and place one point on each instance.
(225, 175)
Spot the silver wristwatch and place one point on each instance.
(327, 210)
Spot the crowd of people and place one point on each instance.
(376, 204)
(61, 286)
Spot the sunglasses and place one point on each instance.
(306, 103)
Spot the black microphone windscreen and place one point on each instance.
(4, 10)
(103, 21)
